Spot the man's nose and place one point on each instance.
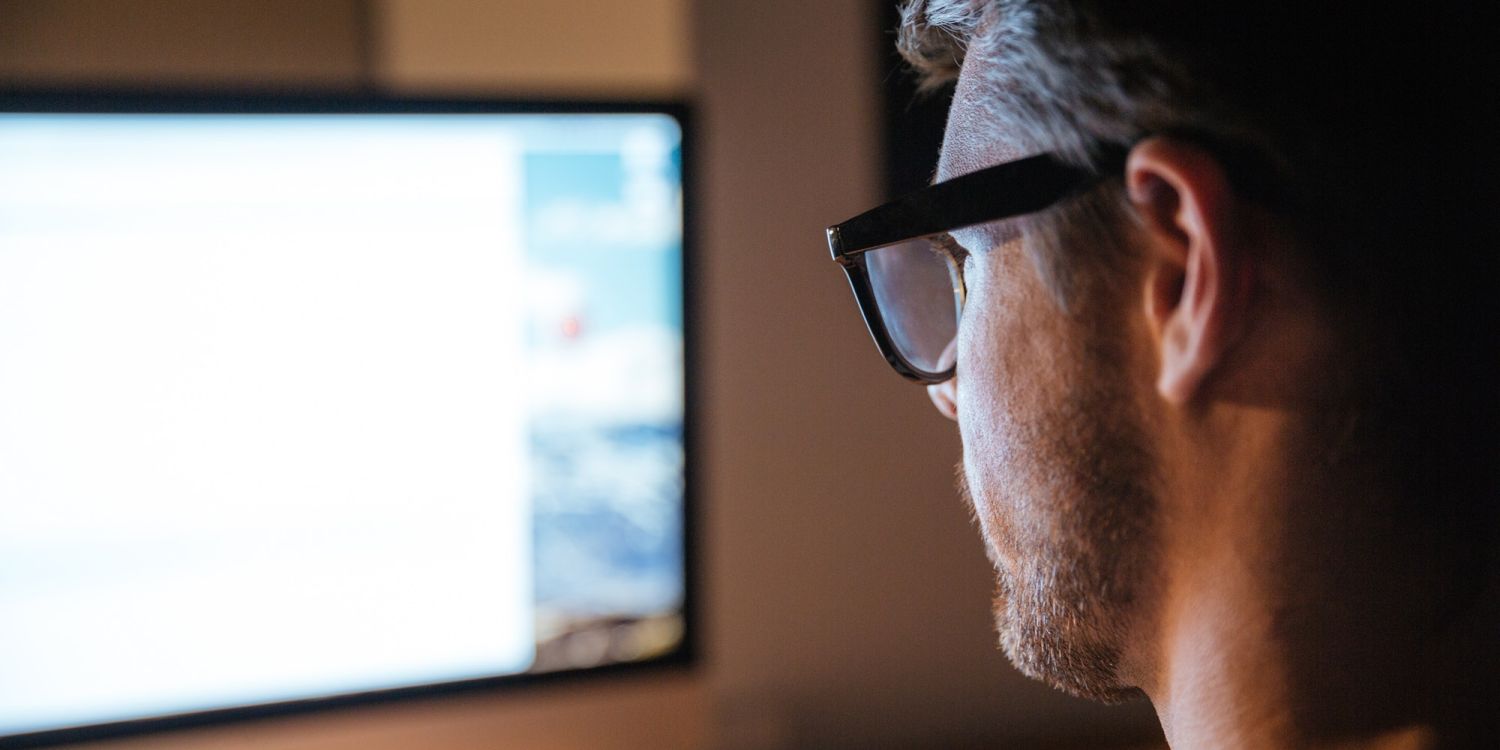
(945, 397)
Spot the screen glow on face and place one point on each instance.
(294, 406)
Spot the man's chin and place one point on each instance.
(1002, 607)
(1068, 661)
(1001, 601)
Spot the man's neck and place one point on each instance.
(1219, 687)
(1318, 635)
(1225, 686)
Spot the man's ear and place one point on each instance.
(1200, 268)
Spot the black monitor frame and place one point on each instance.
(688, 652)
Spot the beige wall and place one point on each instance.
(193, 43)
(552, 47)
(541, 47)
(845, 594)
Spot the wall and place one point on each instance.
(846, 594)
(192, 43)
(559, 48)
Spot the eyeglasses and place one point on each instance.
(906, 275)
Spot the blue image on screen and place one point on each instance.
(605, 230)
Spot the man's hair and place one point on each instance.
(1372, 132)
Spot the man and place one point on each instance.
(1223, 354)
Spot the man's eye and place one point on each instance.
(945, 245)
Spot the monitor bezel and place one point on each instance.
(688, 652)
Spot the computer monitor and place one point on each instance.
(310, 402)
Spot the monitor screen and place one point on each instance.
(302, 401)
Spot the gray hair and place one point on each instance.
(1364, 130)
(1068, 76)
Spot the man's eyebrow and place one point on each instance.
(945, 239)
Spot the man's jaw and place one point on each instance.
(987, 524)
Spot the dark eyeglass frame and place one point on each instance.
(1003, 191)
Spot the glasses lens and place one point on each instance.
(917, 288)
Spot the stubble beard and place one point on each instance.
(1068, 591)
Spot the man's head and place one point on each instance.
(1283, 296)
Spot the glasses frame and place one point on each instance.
(1003, 191)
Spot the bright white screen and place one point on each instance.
(262, 411)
